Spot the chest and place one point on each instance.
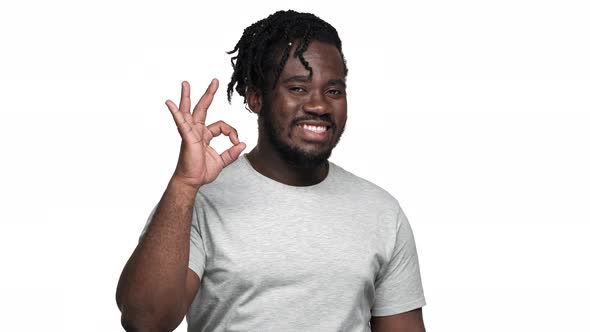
(278, 247)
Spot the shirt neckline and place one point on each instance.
(272, 182)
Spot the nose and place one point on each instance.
(316, 104)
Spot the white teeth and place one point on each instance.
(317, 129)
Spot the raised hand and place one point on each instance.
(198, 162)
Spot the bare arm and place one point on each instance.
(156, 286)
(410, 321)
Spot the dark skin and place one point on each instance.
(156, 286)
(410, 321)
(296, 98)
(321, 97)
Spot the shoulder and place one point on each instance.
(231, 179)
(376, 203)
(232, 172)
(364, 189)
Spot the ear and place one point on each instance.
(254, 99)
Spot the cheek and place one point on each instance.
(340, 108)
(290, 105)
(285, 110)
(342, 116)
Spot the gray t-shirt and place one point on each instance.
(274, 257)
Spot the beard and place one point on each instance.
(291, 154)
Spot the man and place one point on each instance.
(280, 238)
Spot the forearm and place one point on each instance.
(152, 284)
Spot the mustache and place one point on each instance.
(322, 119)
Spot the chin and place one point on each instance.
(309, 160)
(299, 157)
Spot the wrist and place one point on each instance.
(180, 184)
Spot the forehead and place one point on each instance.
(324, 59)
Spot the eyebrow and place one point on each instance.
(337, 82)
(305, 79)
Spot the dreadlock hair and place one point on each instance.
(256, 65)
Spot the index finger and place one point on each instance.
(200, 111)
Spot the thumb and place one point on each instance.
(230, 155)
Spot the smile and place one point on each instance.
(313, 133)
(315, 129)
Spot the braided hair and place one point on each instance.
(270, 39)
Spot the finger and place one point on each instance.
(185, 98)
(200, 111)
(182, 123)
(230, 155)
(219, 127)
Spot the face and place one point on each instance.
(320, 100)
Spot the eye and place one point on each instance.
(335, 92)
(297, 89)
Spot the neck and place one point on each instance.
(269, 163)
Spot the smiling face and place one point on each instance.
(297, 99)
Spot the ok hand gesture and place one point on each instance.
(198, 162)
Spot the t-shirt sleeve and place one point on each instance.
(197, 257)
(398, 286)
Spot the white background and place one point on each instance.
(473, 114)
